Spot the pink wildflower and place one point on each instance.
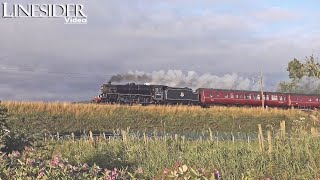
(166, 171)
(217, 174)
(55, 161)
(15, 154)
(40, 174)
(139, 170)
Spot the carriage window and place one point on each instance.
(231, 95)
(258, 96)
(237, 96)
(247, 96)
(310, 99)
(255, 96)
(274, 97)
(319, 99)
(226, 95)
(280, 98)
(240, 96)
(211, 95)
(217, 95)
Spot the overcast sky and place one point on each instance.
(44, 59)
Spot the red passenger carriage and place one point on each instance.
(209, 97)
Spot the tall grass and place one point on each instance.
(294, 156)
(67, 117)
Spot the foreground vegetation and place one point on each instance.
(275, 153)
(37, 117)
(129, 157)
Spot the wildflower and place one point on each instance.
(177, 164)
(106, 173)
(75, 168)
(84, 167)
(139, 170)
(15, 154)
(61, 165)
(28, 149)
(55, 161)
(114, 174)
(30, 162)
(166, 171)
(69, 166)
(40, 175)
(201, 170)
(217, 174)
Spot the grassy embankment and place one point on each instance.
(66, 117)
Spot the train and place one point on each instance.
(146, 94)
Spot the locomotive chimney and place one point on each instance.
(109, 82)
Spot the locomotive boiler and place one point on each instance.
(144, 94)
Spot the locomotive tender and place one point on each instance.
(160, 94)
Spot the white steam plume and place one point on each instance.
(309, 85)
(177, 78)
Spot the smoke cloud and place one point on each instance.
(309, 85)
(178, 78)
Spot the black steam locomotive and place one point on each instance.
(146, 94)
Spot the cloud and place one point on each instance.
(214, 37)
(277, 14)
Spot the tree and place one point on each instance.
(288, 87)
(301, 74)
(295, 69)
(312, 68)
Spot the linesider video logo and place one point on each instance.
(72, 13)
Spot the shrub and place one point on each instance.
(11, 140)
(3, 122)
(16, 141)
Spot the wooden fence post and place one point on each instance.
(270, 141)
(145, 138)
(90, 136)
(72, 136)
(58, 137)
(260, 138)
(211, 136)
(124, 136)
(283, 129)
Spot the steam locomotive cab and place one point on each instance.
(158, 93)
